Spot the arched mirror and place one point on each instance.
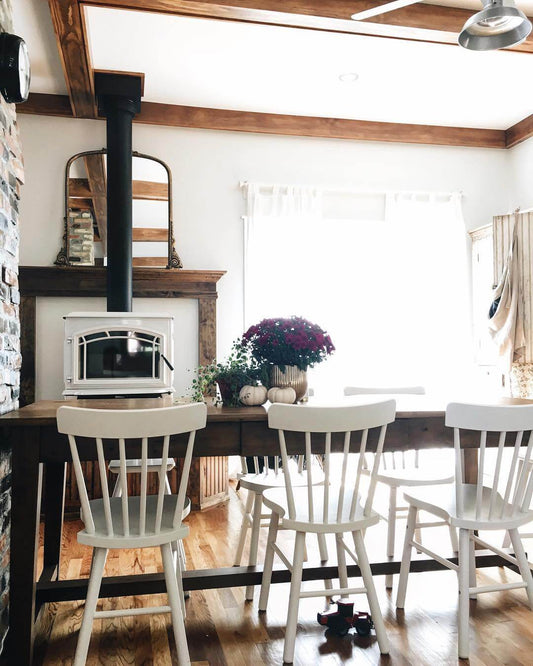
(85, 221)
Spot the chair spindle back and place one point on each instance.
(510, 488)
(391, 460)
(125, 426)
(318, 424)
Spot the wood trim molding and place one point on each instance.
(417, 22)
(519, 132)
(172, 115)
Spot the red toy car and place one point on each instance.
(344, 618)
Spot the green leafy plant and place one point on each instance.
(238, 370)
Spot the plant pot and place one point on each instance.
(230, 396)
(291, 376)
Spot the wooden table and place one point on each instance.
(39, 457)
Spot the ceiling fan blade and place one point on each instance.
(381, 9)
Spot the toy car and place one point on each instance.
(344, 618)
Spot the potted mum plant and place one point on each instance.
(238, 370)
(285, 347)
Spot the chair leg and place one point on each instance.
(453, 539)
(323, 550)
(472, 565)
(506, 540)
(168, 490)
(269, 561)
(95, 579)
(375, 610)
(464, 608)
(523, 564)
(391, 530)
(341, 561)
(254, 540)
(406, 556)
(175, 606)
(244, 528)
(294, 598)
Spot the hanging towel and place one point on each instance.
(506, 313)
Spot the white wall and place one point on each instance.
(521, 161)
(206, 169)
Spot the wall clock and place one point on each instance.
(14, 68)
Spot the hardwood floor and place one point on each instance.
(223, 630)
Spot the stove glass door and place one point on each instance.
(117, 354)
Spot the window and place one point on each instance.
(384, 275)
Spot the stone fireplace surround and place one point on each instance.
(208, 480)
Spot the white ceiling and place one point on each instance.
(221, 64)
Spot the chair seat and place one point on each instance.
(441, 501)
(258, 483)
(134, 465)
(276, 500)
(167, 533)
(414, 476)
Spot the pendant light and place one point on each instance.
(497, 25)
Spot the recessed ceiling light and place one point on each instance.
(349, 77)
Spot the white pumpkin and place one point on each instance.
(286, 394)
(253, 395)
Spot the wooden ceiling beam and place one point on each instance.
(418, 22)
(270, 123)
(97, 176)
(67, 21)
(519, 132)
(149, 190)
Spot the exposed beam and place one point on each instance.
(96, 172)
(79, 188)
(149, 235)
(82, 204)
(419, 22)
(71, 43)
(270, 123)
(147, 262)
(147, 189)
(142, 189)
(43, 104)
(519, 132)
(335, 128)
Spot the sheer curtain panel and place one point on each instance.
(388, 282)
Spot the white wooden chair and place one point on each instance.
(137, 521)
(403, 469)
(255, 483)
(335, 507)
(495, 503)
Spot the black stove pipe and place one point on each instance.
(119, 100)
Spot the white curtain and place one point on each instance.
(392, 292)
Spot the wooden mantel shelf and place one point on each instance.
(91, 281)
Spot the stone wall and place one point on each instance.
(11, 179)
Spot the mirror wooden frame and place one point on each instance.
(63, 259)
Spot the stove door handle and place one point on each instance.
(171, 367)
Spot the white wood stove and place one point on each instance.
(118, 354)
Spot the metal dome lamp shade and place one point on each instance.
(497, 25)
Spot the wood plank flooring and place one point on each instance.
(223, 630)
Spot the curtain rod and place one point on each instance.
(345, 190)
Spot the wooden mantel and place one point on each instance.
(208, 479)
